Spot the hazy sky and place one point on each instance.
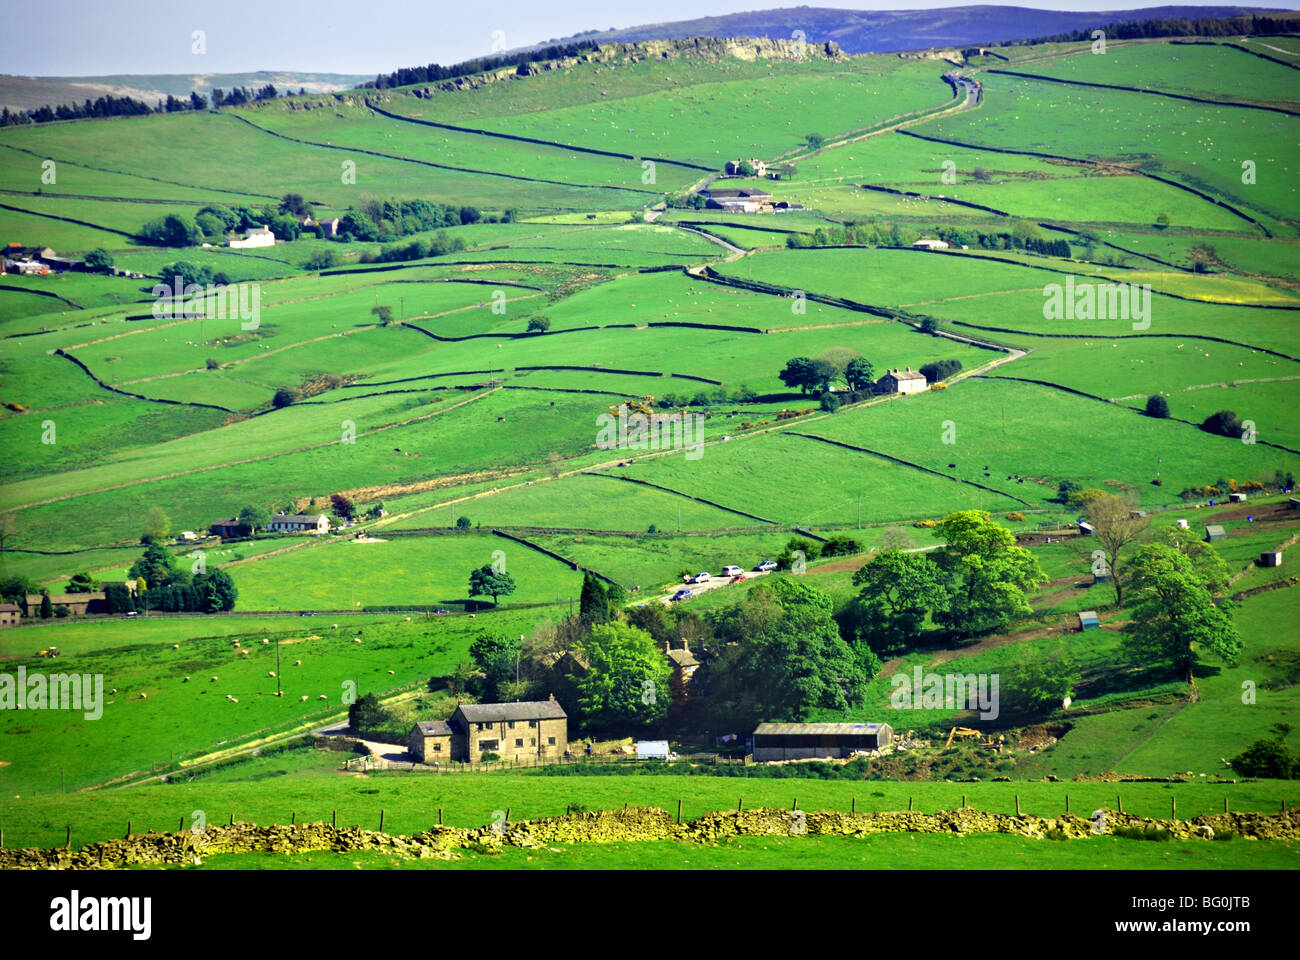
(95, 37)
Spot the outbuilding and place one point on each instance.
(808, 741)
(1088, 620)
(1271, 558)
(1214, 532)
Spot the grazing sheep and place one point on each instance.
(303, 698)
(236, 643)
(408, 619)
(264, 640)
(143, 696)
(214, 679)
(390, 673)
(186, 680)
(234, 699)
(244, 652)
(176, 646)
(114, 690)
(270, 673)
(323, 697)
(334, 626)
(297, 663)
(356, 639)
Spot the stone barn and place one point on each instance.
(807, 741)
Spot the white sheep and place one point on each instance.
(234, 699)
(264, 640)
(186, 680)
(244, 652)
(356, 639)
(303, 698)
(334, 626)
(176, 646)
(297, 663)
(390, 673)
(143, 696)
(236, 643)
(214, 679)
(271, 674)
(323, 697)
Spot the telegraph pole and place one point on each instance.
(277, 666)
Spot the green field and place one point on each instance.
(473, 416)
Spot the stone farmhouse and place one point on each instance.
(299, 523)
(532, 730)
(902, 381)
(256, 237)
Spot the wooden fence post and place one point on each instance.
(1067, 803)
(1119, 803)
(440, 816)
(1225, 804)
(1017, 804)
(679, 810)
(796, 804)
(67, 843)
(854, 807)
(1173, 807)
(181, 828)
(909, 803)
(963, 801)
(293, 817)
(334, 819)
(128, 830)
(740, 805)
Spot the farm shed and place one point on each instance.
(1088, 620)
(652, 749)
(1085, 529)
(1271, 558)
(930, 243)
(1183, 524)
(1214, 532)
(10, 614)
(1237, 497)
(805, 741)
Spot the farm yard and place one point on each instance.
(521, 429)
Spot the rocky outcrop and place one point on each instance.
(699, 48)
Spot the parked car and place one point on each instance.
(306, 613)
(700, 578)
(739, 578)
(682, 594)
(765, 566)
(731, 570)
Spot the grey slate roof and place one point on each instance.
(528, 710)
(434, 728)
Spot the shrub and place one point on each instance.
(539, 324)
(1158, 407)
(940, 370)
(924, 523)
(1224, 424)
(1018, 517)
(462, 523)
(285, 396)
(489, 757)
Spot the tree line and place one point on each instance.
(113, 106)
(434, 72)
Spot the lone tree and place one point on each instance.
(99, 259)
(254, 517)
(1157, 407)
(593, 605)
(367, 713)
(539, 324)
(859, 374)
(487, 582)
(383, 312)
(1176, 615)
(1115, 525)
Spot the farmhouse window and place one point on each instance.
(489, 744)
(532, 723)
(519, 742)
(550, 741)
(437, 748)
